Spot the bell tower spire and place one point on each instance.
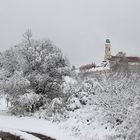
(107, 49)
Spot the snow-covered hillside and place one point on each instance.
(102, 108)
(109, 109)
(104, 66)
(16, 125)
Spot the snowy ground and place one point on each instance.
(82, 124)
(14, 125)
(87, 124)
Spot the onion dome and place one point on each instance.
(107, 40)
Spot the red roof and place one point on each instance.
(133, 59)
(129, 58)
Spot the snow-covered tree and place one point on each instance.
(44, 66)
(37, 65)
(9, 60)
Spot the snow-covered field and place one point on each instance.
(14, 125)
(83, 124)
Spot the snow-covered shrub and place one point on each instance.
(130, 128)
(27, 103)
(92, 85)
(15, 84)
(80, 92)
(117, 98)
(9, 60)
(4, 74)
(111, 104)
(56, 105)
(44, 66)
(70, 87)
(73, 104)
(86, 123)
(54, 110)
(120, 100)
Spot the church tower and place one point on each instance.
(107, 50)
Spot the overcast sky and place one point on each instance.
(78, 27)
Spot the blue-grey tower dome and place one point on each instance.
(107, 40)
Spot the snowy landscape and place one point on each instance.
(69, 70)
(42, 97)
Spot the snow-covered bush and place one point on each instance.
(73, 103)
(15, 84)
(120, 101)
(9, 60)
(36, 65)
(130, 128)
(81, 92)
(44, 65)
(56, 105)
(117, 98)
(87, 123)
(26, 103)
(54, 110)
